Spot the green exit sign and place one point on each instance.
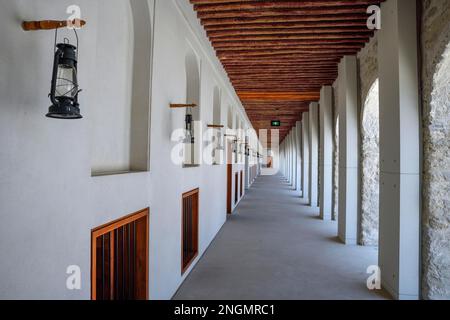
(276, 123)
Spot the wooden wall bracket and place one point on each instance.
(50, 24)
(175, 106)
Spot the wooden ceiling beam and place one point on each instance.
(282, 12)
(214, 6)
(311, 47)
(318, 62)
(282, 74)
(288, 25)
(216, 35)
(312, 18)
(271, 52)
(278, 95)
(309, 36)
(278, 54)
(287, 77)
(348, 41)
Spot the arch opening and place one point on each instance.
(436, 224)
(370, 179)
(335, 212)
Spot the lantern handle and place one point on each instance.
(76, 36)
(78, 41)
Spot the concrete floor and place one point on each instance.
(275, 247)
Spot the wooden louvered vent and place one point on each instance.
(189, 229)
(120, 259)
(242, 184)
(236, 188)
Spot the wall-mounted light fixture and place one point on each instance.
(64, 88)
(188, 120)
(234, 143)
(64, 85)
(190, 138)
(219, 128)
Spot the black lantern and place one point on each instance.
(220, 146)
(189, 127)
(235, 145)
(247, 150)
(64, 88)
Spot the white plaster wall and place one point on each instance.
(48, 200)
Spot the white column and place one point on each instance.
(313, 154)
(288, 159)
(286, 155)
(399, 233)
(298, 137)
(348, 150)
(247, 166)
(326, 158)
(294, 158)
(305, 155)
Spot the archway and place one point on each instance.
(370, 160)
(436, 227)
(336, 173)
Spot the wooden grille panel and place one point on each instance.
(120, 259)
(189, 228)
(242, 184)
(236, 188)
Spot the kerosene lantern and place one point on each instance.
(64, 88)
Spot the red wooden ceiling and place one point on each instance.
(278, 54)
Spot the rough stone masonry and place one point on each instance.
(436, 145)
(370, 144)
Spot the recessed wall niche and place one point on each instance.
(120, 118)
(192, 152)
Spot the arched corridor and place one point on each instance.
(270, 244)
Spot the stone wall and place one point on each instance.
(335, 210)
(436, 144)
(370, 169)
(370, 149)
